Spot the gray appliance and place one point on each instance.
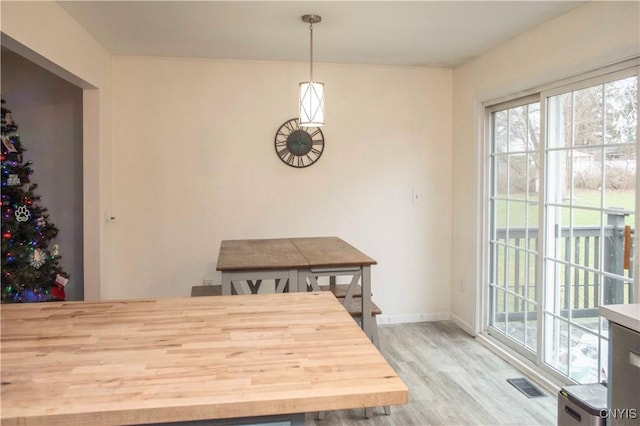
(624, 376)
(584, 405)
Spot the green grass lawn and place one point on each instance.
(582, 199)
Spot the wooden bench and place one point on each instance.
(340, 290)
(353, 305)
(206, 290)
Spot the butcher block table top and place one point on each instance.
(180, 359)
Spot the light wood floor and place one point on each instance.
(452, 380)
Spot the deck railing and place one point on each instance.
(581, 246)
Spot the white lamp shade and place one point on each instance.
(311, 104)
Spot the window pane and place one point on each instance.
(588, 115)
(518, 129)
(604, 359)
(532, 220)
(518, 267)
(584, 356)
(560, 125)
(623, 202)
(559, 245)
(500, 218)
(621, 114)
(604, 349)
(532, 326)
(619, 174)
(617, 291)
(565, 291)
(499, 312)
(556, 344)
(531, 280)
(587, 221)
(559, 177)
(534, 127)
(518, 178)
(500, 136)
(515, 324)
(554, 275)
(512, 264)
(501, 175)
(587, 177)
(500, 266)
(516, 218)
(533, 178)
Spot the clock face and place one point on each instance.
(298, 146)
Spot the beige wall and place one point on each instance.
(204, 175)
(45, 34)
(589, 37)
(194, 163)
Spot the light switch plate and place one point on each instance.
(415, 197)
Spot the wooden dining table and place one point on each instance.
(295, 262)
(258, 358)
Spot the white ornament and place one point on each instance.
(55, 250)
(13, 180)
(22, 214)
(61, 281)
(38, 258)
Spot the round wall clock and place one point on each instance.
(298, 146)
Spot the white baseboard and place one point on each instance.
(468, 328)
(407, 318)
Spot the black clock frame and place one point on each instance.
(298, 146)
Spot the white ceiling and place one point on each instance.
(435, 33)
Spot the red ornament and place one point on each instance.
(6, 235)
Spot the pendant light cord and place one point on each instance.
(311, 52)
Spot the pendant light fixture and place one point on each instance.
(311, 92)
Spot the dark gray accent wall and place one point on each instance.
(48, 112)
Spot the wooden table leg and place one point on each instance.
(366, 301)
(294, 282)
(226, 283)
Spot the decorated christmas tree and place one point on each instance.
(30, 268)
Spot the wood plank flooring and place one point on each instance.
(452, 380)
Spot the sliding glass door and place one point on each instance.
(589, 220)
(562, 220)
(515, 207)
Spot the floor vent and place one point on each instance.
(526, 387)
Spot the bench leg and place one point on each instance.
(368, 412)
(376, 342)
(374, 332)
